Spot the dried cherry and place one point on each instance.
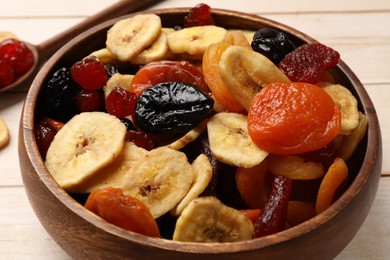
(89, 100)
(90, 73)
(121, 102)
(172, 108)
(140, 139)
(198, 16)
(17, 54)
(44, 135)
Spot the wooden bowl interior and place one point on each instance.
(290, 242)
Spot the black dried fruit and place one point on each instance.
(272, 43)
(111, 69)
(172, 108)
(60, 95)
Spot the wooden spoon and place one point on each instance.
(45, 50)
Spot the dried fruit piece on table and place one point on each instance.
(172, 108)
(206, 219)
(17, 54)
(5, 35)
(212, 76)
(160, 180)
(90, 73)
(4, 134)
(336, 175)
(203, 173)
(129, 37)
(272, 218)
(293, 118)
(121, 102)
(198, 16)
(253, 185)
(167, 71)
(272, 43)
(230, 141)
(244, 73)
(140, 138)
(308, 62)
(84, 145)
(294, 167)
(123, 211)
(195, 40)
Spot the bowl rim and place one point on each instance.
(371, 154)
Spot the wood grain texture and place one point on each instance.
(357, 29)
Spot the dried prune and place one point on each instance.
(272, 43)
(60, 95)
(172, 108)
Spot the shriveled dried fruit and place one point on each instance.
(90, 73)
(121, 102)
(199, 15)
(172, 108)
(308, 62)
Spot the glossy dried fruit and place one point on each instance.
(44, 135)
(308, 62)
(121, 102)
(272, 43)
(90, 73)
(198, 16)
(124, 211)
(7, 74)
(293, 118)
(17, 54)
(273, 217)
(172, 108)
(89, 100)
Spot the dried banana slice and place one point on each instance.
(244, 72)
(4, 134)
(157, 51)
(105, 56)
(160, 180)
(230, 141)
(114, 175)
(118, 80)
(195, 40)
(206, 219)
(348, 106)
(249, 35)
(203, 173)
(129, 37)
(188, 137)
(84, 145)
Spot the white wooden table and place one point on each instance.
(358, 29)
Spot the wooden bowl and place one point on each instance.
(84, 235)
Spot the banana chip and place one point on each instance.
(118, 80)
(230, 141)
(4, 134)
(157, 51)
(188, 137)
(105, 56)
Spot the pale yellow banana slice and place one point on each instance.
(157, 51)
(230, 141)
(248, 35)
(4, 134)
(4, 35)
(160, 180)
(188, 137)
(117, 80)
(105, 56)
(195, 40)
(113, 175)
(84, 145)
(244, 72)
(129, 37)
(348, 106)
(206, 219)
(203, 173)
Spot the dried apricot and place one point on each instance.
(293, 118)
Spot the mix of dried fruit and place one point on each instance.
(200, 133)
(15, 59)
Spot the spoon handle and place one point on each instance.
(50, 46)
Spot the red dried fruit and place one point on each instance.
(44, 135)
(90, 100)
(90, 73)
(198, 16)
(7, 74)
(272, 218)
(17, 54)
(140, 139)
(121, 102)
(308, 62)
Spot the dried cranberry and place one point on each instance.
(60, 95)
(90, 73)
(17, 54)
(90, 100)
(121, 102)
(44, 135)
(7, 74)
(273, 44)
(308, 62)
(140, 139)
(273, 217)
(198, 16)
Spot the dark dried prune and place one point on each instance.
(272, 43)
(172, 108)
(60, 95)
